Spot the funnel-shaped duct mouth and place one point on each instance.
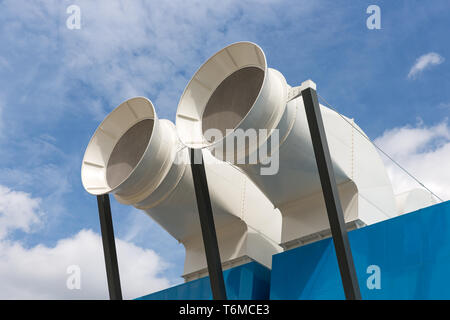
(118, 157)
(232, 99)
(233, 89)
(128, 152)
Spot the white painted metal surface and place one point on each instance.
(363, 184)
(141, 160)
(248, 226)
(413, 200)
(266, 110)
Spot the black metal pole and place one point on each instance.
(331, 196)
(109, 247)
(207, 225)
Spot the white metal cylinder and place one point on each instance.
(294, 188)
(264, 112)
(153, 164)
(139, 159)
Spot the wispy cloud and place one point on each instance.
(1, 119)
(444, 105)
(423, 151)
(56, 84)
(113, 58)
(40, 272)
(37, 166)
(424, 62)
(18, 211)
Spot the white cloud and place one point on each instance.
(424, 62)
(123, 58)
(37, 165)
(41, 272)
(18, 211)
(115, 57)
(444, 105)
(2, 117)
(424, 151)
(4, 63)
(1, 120)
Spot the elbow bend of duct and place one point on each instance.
(139, 159)
(233, 92)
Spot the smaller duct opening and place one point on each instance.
(128, 151)
(232, 99)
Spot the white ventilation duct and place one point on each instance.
(236, 90)
(139, 159)
(413, 200)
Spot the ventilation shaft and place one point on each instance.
(234, 93)
(138, 158)
(259, 206)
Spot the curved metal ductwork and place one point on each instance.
(138, 158)
(413, 200)
(259, 206)
(235, 92)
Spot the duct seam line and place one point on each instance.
(291, 125)
(275, 117)
(243, 207)
(243, 198)
(151, 186)
(231, 58)
(132, 111)
(264, 235)
(381, 150)
(389, 215)
(294, 203)
(260, 61)
(166, 195)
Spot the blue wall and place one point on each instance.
(412, 252)
(246, 282)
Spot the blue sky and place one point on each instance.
(57, 84)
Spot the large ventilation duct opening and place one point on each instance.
(138, 158)
(233, 89)
(232, 99)
(219, 97)
(128, 151)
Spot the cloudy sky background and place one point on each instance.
(57, 84)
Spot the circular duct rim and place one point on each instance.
(205, 81)
(105, 138)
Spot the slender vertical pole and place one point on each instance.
(109, 247)
(331, 196)
(207, 225)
